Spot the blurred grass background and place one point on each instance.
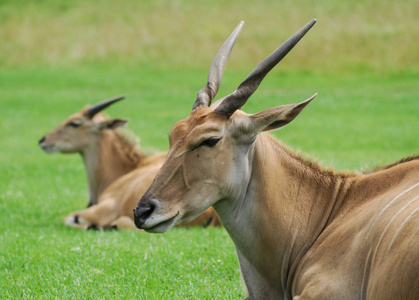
(376, 35)
(56, 56)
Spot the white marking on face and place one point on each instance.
(207, 202)
(182, 153)
(160, 223)
(48, 148)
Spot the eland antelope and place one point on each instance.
(116, 167)
(300, 231)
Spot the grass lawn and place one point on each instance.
(355, 120)
(59, 56)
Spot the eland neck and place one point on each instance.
(108, 158)
(286, 205)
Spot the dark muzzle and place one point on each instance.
(142, 212)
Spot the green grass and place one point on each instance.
(355, 120)
(57, 56)
(377, 35)
(60, 263)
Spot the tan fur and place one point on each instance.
(299, 230)
(118, 172)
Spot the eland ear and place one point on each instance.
(112, 124)
(279, 116)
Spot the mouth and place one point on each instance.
(162, 226)
(48, 148)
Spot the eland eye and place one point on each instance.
(74, 124)
(210, 142)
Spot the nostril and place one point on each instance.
(42, 140)
(142, 213)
